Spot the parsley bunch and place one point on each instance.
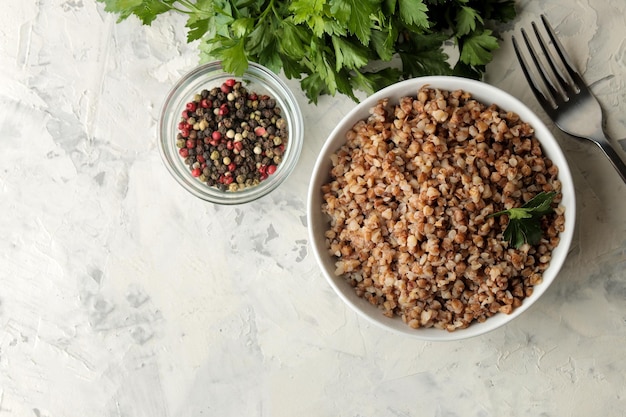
(337, 45)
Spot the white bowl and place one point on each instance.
(318, 222)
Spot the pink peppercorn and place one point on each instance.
(191, 106)
(270, 169)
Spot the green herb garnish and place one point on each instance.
(525, 222)
(330, 45)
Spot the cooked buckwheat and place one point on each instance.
(409, 198)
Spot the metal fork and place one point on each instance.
(565, 96)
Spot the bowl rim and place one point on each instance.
(487, 94)
(256, 75)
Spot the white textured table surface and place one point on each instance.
(123, 295)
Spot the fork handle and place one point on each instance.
(616, 160)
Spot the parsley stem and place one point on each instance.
(269, 7)
(191, 8)
(235, 9)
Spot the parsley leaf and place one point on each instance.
(383, 42)
(145, 10)
(466, 20)
(242, 26)
(233, 55)
(414, 12)
(477, 48)
(355, 15)
(348, 54)
(197, 29)
(311, 13)
(371, 81)
(424, 55)
(525, 222)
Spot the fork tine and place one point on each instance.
(563, 84)
(532, 81)
(576, 77)
(547, 80)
